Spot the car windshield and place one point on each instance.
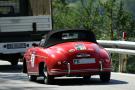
(70, 36)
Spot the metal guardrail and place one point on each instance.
(121, 51)
(122, 47)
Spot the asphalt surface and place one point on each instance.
(12, 78)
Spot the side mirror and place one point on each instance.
(34, 44)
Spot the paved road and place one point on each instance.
(11, 78)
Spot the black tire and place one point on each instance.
(24, 66)
(14, 59)
(48, 79)
(86, 77)
(14, 62)
(32, 78)
(105, 77)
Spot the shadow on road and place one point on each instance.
(15, 73)
(80, 81)
(10, 68)
(9, 72)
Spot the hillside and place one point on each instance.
(128, 4)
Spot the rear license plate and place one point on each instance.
(84, 61)
(16, 45)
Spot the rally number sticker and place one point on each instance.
(32, 59)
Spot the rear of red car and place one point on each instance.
(78, 59)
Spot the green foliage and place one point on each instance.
(107, 19)
(131, 64)
(64, 16)
(130, 6)
(115, 61)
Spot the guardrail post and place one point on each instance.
(123, 57)
(123, 62)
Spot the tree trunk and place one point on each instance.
(40, 7)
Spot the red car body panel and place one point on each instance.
(69, 58)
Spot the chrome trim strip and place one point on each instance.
(33, 73)
(82, 70)
(107, 69)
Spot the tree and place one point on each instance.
(107, 19)
(124, 20)
(64, 16)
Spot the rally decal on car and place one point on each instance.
(80, 47)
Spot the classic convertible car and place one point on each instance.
(67, 53)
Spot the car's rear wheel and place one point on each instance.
(24, 66)
(14, 62)
(32, 77)
(105, 77)
(86, 77)
(48, 79)
(14, 59)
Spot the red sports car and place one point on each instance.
(67, 53)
